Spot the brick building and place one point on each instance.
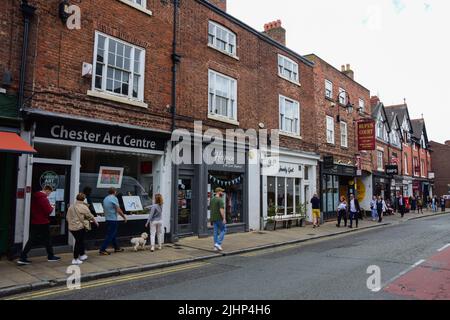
(421, 160)
(336, 134)
(441, 167)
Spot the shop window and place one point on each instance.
(131, 175)
(306, 174)
(284, 196)
(290, 196)
(271, 193)
(281, 196)
(233, 184)
(50, 151)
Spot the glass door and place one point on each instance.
(58, 177)
(185, 200)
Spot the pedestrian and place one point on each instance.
(354, 210)
(401, 204)
(79, 219)
(442, 202)
(342, 212)
(434, 204)
(218, 218)
(112, 211)
(315, 201)
(155, 223)
(373, 208)
(419, 205)
(40, 226)
(380, 209)
(413, 201)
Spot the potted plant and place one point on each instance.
(271, 213)
(300, 211)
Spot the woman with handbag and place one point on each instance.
(79, 219)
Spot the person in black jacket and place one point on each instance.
(354, 209)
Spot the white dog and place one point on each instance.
(141, 241)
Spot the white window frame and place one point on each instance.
(141, 7)
(282, 60)
(141, 74)
(232, 96)
(405, 159)
(330, 130)
(282, 105)
(362, 106)
(380, 160)
(380, 129)
(328, 89)
(342, 97)
(422, 167)
(229, 42)
(344, 137)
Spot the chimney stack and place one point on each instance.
(221, 4)
(447, 143)
(275, 31)
(348, 71)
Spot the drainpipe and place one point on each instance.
(175, 61)
(28, 14)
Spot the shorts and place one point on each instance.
(316, 213)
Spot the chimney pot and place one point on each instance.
(275, 31)
(343, 68)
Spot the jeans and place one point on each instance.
(156, 229)
(39, 235)
(79, 249)
(342, 214)
(220, 230)
(374, 214)
(111, 235)
(353, 216)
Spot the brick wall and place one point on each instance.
(441, 167)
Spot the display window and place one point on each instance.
(131, 175)
(284, 196)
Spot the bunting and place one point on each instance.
(225, 183)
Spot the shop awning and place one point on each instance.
(12, 143)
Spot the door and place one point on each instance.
(185, 209)
(308, 203)
(58, 177)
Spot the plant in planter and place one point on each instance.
(271, 213)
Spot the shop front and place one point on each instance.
(383, 186)
(77, 155)
(196, 188)
(289, 191)
(337, 181)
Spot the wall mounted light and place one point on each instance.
(64, 10)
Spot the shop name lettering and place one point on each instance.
(59, 132)
(287, 169)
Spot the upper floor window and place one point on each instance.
(342, 97)
(344, 134)
(328, 89)
(119, 67)
(395, 139)
(289, 116)
(330, 130)
(221, 38)
(405, 166)
(380, 160)
(142, 3)
(422, 168)
(288, 69)
(380, 129)
(222, 95)
(362, 106)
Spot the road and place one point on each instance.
(333, 268)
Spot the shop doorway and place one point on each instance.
(58, 177)
(185, 206)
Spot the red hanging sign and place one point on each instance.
(366, 135)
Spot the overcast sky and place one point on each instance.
(397, 48)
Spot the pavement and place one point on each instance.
(42, 274)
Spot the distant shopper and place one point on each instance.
(380, 209)
(79, 219)
(442, 202)
(373, 208)
(354, 210)
(112, 211)
(413, 201)
(218, 218)
(40, 226)
(401, 204)
(419, 205)
(315, 201)
(434, 204)
(342, 212)
(156, 223)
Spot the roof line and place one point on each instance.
(255, 32)
(359, 84)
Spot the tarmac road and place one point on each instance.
(333, 268)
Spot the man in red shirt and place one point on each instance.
(40, 226)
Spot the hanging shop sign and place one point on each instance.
(98, 133)
(392, 170)
(366, 135)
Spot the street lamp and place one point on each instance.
(348, 106)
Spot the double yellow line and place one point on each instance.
(99, 283)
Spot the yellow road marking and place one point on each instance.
(99, 283)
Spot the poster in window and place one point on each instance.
(98, 208)
(110, 177)
(132, 204)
